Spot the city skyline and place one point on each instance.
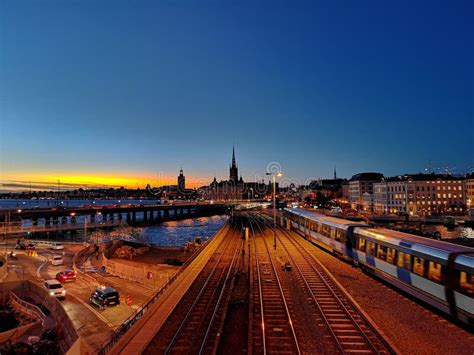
(137, 91)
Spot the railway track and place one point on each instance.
(194, 325)
(272, 329)
(350, 330)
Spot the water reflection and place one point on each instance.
(177, 233)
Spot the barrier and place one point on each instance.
(30, 310)
(68, 337)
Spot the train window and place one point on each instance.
(333, 233)
(339, 235)
(391, 253)
(371, 248)
(361, 244)
(466, 283)
(382, 252)
(434, 271)
(404, 260)
(326, 231)
(418, 266)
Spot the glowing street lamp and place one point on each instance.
(274, 175)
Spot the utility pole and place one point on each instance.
(274, 205)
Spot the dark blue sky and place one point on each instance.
(132, 88)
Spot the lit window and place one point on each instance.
(403, 260)
(434, 271)
(418, 267)
(466, 283)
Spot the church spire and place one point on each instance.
(335, 175)
(233, 157)
(233, 171)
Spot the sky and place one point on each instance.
(113, 93)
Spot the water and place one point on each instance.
(12, 204)
(178, 233)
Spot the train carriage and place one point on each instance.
(439, 273)
(333, 234)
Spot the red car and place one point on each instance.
(66, 275)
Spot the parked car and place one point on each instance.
(57, 260)
(66, 275)
(104, 297)
(57, 246)
(55, 288)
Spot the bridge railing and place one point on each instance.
(137, 315)
(14, 229)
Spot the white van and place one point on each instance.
(57, 260)
(57, 246)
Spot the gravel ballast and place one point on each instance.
(412, 327)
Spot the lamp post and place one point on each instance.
(274, 205)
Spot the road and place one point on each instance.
(93, 325)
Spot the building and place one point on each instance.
(426, 194)
(178, 191)
(380, 199)
(360, 184)
(233, 170)
(235, 188)
(469, 190)
(181, 181)
(328, 187)
(368, 202)
(345, 193)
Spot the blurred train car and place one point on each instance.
(438, 273)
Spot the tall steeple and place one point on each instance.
(335, 175)
(233, 171)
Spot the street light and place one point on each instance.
(274, 205)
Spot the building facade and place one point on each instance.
(421, 195)
(380, 198)
(360, 184)
(469, 191)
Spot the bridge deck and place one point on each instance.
(137, 339)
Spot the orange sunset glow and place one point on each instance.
(37, 181)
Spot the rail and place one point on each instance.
(378, 344)
(198, 298)
(219, 300)
(280, 289)
(135, 317)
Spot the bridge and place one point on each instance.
(60, 219)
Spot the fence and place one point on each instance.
(26, 308)
(138, 314)
(19, 229)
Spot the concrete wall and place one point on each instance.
(68, 334)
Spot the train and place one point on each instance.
(438, 273)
